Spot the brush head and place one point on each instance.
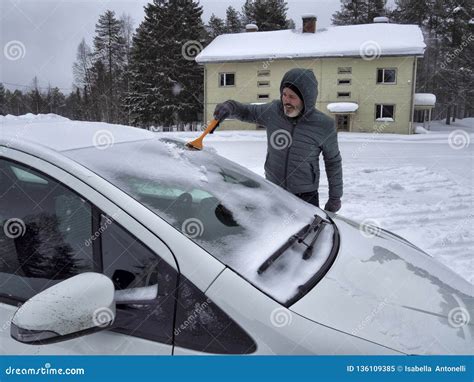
(194, 145)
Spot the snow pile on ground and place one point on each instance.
(420, 130)
(33, 117)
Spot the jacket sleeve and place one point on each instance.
(333, 164)
(250, 113)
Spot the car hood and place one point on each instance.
(384, 289)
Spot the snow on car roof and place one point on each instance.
(338, 41)
(60, 134)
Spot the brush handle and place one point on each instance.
(211, 127)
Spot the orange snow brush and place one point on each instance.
(197, 143)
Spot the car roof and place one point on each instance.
(61, 134)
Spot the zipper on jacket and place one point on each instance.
(288, 153)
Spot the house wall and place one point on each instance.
(363, 88)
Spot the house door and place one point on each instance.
(343, 122)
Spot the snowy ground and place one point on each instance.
(420, 186)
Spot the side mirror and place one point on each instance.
(77, 306)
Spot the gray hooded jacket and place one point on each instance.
(294, 144)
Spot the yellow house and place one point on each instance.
(366, 73)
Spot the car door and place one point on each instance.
(53, 229)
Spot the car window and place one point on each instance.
(44, 231)
(145, 285)
(148, 297)
(202, 326)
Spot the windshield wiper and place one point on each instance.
(308, 252)
(299, 237)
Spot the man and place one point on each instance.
(296, 134)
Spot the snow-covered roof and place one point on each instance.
(342, 107)
(425, 99)
(367, 40)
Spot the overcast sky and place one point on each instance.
(50, 31)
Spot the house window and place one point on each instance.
(344, 70)
(343, 94)
(227, 79)
(386, 76)
(345, 81)
(384, 112)
(263, 73)
(262, 84)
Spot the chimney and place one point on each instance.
(309, 23)
(251, 28)
(381, 20)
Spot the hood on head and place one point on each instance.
(305, 81)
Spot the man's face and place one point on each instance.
(292, 104)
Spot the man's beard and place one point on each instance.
(291, 111)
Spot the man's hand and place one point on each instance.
(223, 110)
(333, 205)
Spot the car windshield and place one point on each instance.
(234, 214)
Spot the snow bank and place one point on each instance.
(421, 130)
(33, 117)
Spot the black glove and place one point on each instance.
(333, 205)
(223, 110)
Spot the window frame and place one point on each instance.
(344, 79)
(223, 75)
(15, 300)
(263, 84)
(263, 73)
(344, 70)
(383, 75)
(263, 97)
(382, 105)
(97, 201)
(340, 95)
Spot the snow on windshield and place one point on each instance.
(234, 214)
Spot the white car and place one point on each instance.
(116, 241)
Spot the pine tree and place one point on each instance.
(355, 12)
(446, 67)
(216, 27)
(126, 30)
(16, 102)
(109, 62)
(3, 100)
(73, 106)
(56, 101)
(34, 98)
(233, 22)
(267, 14)
(411, 12)
(166, 84)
